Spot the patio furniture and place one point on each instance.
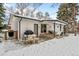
(32, 39)
(36, 40)
(28, 32)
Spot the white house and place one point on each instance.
(22, 23)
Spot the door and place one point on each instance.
(43, 28)
(36, 29)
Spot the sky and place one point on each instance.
(46, 7)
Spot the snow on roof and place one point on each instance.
(36, 19)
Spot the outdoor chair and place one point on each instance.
(32, 39)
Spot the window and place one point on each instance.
(43, 28)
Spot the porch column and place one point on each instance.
(5, 35)
(64, 29)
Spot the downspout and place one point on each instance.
(54, 29)
(19, 30)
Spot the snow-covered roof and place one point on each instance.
(36, 19)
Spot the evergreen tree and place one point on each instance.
(67, 12)
(2, 15)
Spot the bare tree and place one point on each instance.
(22, 6)
(35, 6)
(46, 15)
(54, 4)
(39, 15)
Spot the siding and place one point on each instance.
(29, 25)
(14, 23)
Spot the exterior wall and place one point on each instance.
(14, 23)
(50, 26)
(57, 27)
(27, 24)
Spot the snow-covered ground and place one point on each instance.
(63, 46)
(9, 45)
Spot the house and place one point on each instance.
(20, 24)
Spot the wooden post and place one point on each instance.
(16, 34)
(75, 29)
(5, 35)
(64, 30)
